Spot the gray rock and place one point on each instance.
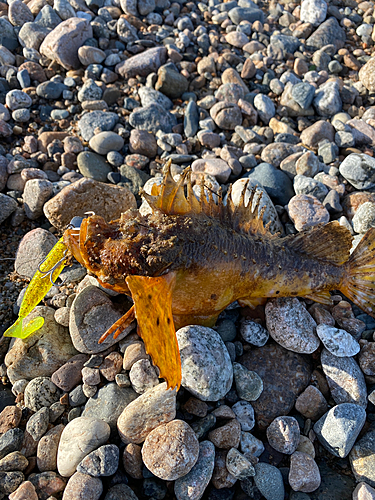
(345, 379)
(327, 100)
(16, 99)
(89, 91)
(108, 403)
(238, 465)
(253, 332)
(265, 107)
(105, 142)
(170, 82)
(338, 429)
(359, 170)
(101, 120)
(244, 414)
(291, 326)
(330, 32)
(193, 484)
(7, 206)
(364, 218)
(10, 441)
(35, 195)
(101, 462)
(151, 96)
(303, 93)
(31, 35)
(207, 371)
(362, 459)
(313, 11)
(338, 342)
(283, 434)
(269, 481)
(32, 249)
(248, 383)
(276, 183)
(152, 118)
(48, 18)
(37, 425)
(250, 14)
(142, 64)
(8, 36)
(309, 186)
(93, 165)
(41, 392)
(83, 484)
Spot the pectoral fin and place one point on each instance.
(153, 309)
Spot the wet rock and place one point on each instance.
(207, 371)
(183, 450)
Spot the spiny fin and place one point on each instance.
(170, 198)
(322, 297)
(359, 283)
(330, 243)
(121, 324)
(153, 310)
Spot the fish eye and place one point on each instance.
(76, 222)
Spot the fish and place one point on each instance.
(188, 259)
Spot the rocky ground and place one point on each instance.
(95, 96)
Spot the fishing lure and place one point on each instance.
(185, 262)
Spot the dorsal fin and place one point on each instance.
(330, 242)
(170, 198)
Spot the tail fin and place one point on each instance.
(359, 284)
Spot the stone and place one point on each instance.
(108, 403)
(104, 142)
(311, 187)
(69, 374)
(40, 392)
(248, 383)
(152, 118)
(93, 166)
(337, 342)
(227, 436)
(183, 450)
(313, 135)
(120, 491)
(338, 429)
(207, 371)
(283, 434)
(313, 11)
(101, 462)
(304, 473)
(362, 492)
(221, 477)
(215, 167)
(366, 75)
(226, 115)
(95, 121)
(62, 43)
(87, 195)
(345, 379)
(311, 403)
(7, 206)
(25, 491)
(327, 100)
(290, 325)
(171, 82)
(83, 486)
(10, 418)
(132, 461)
(244, 413)
(329, 32)
(46, 454)
(307, 211)
(275, 182)
(142, 64)
(155, 407)
(269, 481)
(250, 14)
(238, 465)
(362, 459)
(81, 436)
(143, 142)
(193, 484)
(42, 353)
(265, 107)
(35, 195)
(17, 99)
(358, 170)
(14, 461)
(90, 55)
(149, 96)
(143, 376)
(292, 377)
(37, 424)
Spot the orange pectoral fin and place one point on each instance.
(153, 310)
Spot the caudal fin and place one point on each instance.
(359, 284)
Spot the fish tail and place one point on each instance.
(359, 282)
(15, 330)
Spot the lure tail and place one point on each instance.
(359, 283)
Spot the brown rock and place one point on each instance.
(288, 381)
(366, 359)
(62, 44)
(320, 130)
(85, 195)
(132, 460)
(344, 317)
(47, 449)
(353, 201)
(133, 353)
(367, 75)
(29, 446)
(10, 417)
(283, 434)
(321, 315)
(25, 491)
(230, 75)
(47, 484)
(196, 407)
(46, 138)
(221, 477)
(111, 366)
(226, 115)
(249, 111)
(227, 436)
(311, 403)
(171, 450)
(307, 211)
(69, 375)
(82, 486)
(14, 461)
(19, 13)
(304, 474)
(300, 67)
(155, 407)
(143, 142)
(35, 71)
(249, 69)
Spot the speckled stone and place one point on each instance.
(291, 326)
(269, 481)
(132, 460)
(345, 379)
(311, 403)
(238, 465)
(307, 211)
(362, 459)
(183, 449)
(82, 486)
(193, 484)
(14, 461)
(244, 413)
(304, 474)
(40, 392)
(101, 462)
(248, 383)
(221, 477)
(227, 436)
(338, 342)
(37, 424)
(283, 434)
(46, 454)
(155, 407)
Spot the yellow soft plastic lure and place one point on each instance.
(39, 286)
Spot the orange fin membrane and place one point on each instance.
(359, 284)
(37, 289)
(170, 198)
(120, 325)
(322, 297)
(153, 310)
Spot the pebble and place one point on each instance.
(40, 392)
(10, 418)
(283, 434)
(79, 438)
(345, 379)
(94, 121)
(207, 371)
(221, 477)
(25, 491)
(290, 325)
(304, 473)
(142, 64)
(155, 407)
(238, 465)
(37, 425)
(244, 413)
(7, 206)
(248, 383)
(338, 342)
(311, 403)
(215, 167)
(362, 459)
(306, 211)
(120, 491)
(83, 486)
(269, 481)
(101, 462)
(46, 454)
(69, 374)
(357, 169)
(10, 441)
(227, 436)
(363, 492)
(275, 182)
(338, 429)
(14, 461)
(183, 450)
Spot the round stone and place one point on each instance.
(40, 392)
(253, 333)
(245, 415)
(183, 449)
(93, 166)
(307, 211)
(226, 115)
(248, 383)
(83, 486)
(269, 481)
(104, 142)
(283, 434)
(304, 474)
(364, 218)
(16, 99)
(338, 342)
